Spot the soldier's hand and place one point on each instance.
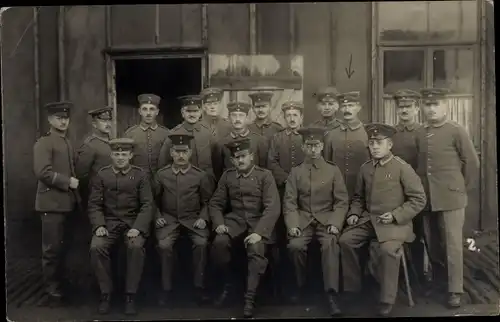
(160, 222)
(132, 233)
(252, 239)
(386, 218)
(101, 231)
(352, 220)
(221, 229)
(200, 224)
(294, 232)
(332, 230)
(73, 183)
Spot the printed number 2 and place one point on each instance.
(472, 245)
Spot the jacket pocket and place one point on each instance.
(455, 188)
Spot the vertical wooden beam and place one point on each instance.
(481, 52)
(36, 69)
(157, 24)
(204, 40)
(61, 53)
(110, 70)
(181, 29)
(332, 49)
(375, 64)
(252, 7)
(291, 18)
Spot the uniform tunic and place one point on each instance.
(327, 124)
(347, 146)
(93, 155)
(389, 185)
(405, 143)
(219, 127)
(285, 152)
(148, 141)
(267, 129)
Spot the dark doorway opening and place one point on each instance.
(167, 77)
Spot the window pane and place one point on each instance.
(402, 20)
(454, 69)
(453, 20)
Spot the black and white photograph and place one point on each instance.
(268, 160)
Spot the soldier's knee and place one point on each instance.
(136, 243)
(390, 249)
(220, 241)
(200, 242)
(328, 243)
(98, 245)
(345, 240)
(296, 245)
(258, 248)
(166, 244)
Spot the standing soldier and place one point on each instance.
(263, 125)
(202, 145)
(447, 165)
(315, 205)
(251, 193)
(388, 195)
(183, 192)
(347, 144)
(56, 193)
(120, 206)
(328, 106)
(211, 118)
(148, 135)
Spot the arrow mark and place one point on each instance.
(349, 71)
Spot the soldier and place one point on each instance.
(251, 193)
(120, 205)
(148, 135)
(447, 164)
(388, 195)
(238, 113)
(347, 144)
(315, 205)
(328, 106)
(202, 145)
(56, 193)
(183, 192)
(211, 118)
(263, 125)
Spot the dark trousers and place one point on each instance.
(166, 252)
(297, 248)
(100, 248)
(417, 247)
(257, 262)
(54, 238)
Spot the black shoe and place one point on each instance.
(130, 308)
(201, 297)
(164, 298)
(104, 304)
(332, 305)
(223, 297)
(249, 306)
(454, 301)
(385, 309)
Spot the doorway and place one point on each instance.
(168, 78)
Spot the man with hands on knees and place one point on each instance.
(315, 205)
(120, 205)
(182, 192)
(388, 195)
(251, 194)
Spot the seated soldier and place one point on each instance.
(183, 192)
(388, 195)
(252, 196)
(120, 206)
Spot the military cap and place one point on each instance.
(59, 108)
(191, 102)
(349, 97)
(262, 97)
(149, 99)
(238, 107)
(121, 144)
(433, 94)
(238, 146)
(103, 113)
(312, 134)
(180, 141)
(326, 93)
(406, 95)
(379, 131)
(212, 94)
(289, 105)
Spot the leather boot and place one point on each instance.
(104, 304)
(221, 300)
(454, 300)
(130, 308)
(164, 298)
(385, 309)
(332, 305)
(249, 305)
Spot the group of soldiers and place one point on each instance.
(223, 181)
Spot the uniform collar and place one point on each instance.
(58, 133)
(315, 163)
(266, 123)
(176, 170)
(145, 127)
(209, 119)
(101, 137)
(124, 171)
(383, 161)
(191, 127)
(244, 134)
(408, 126)
(329, 120)
(352, 126)
(290, 132)
(245, 174)
(436, 124)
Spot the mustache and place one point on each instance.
(347, 113)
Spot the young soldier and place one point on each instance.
(251, 193)
(328, 106)
(120, 205)
(148, 135)
(183, 192)
(388, 195)
(202, 145)
(315, 205)
(346, 145)
(447, 164)
(263, 125)
(56, 196)
(211, 118)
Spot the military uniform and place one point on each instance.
(202, 146)
(387, 185)
(327, 94)
(120, 200)
(183, 196)
(53, 166)
(254, 208)
(267, 128)
(447, 164)
(219, 127)
(347, 146)
(148, 139)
